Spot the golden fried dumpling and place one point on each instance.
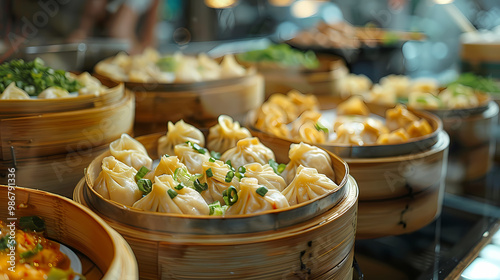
(419, 128)
(166, 198)
(400, 84)
(303, 102)
(308, 184)
(399, 117)
(131, 152)
(308, 156)
(116, 181)
(179, 133)
(252, 199)
(225, 134)
(353, 106)
(215, 174)
(53, 92)
(13, 92)
(265, 176)
(248, 150)
(373, 128)
(191, 157)
(424, 100)
(396, 137)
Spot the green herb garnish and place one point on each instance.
(145, 186)
(180, 186)
(215, 154)
(171, 193)
(229, 176)
(167, 64)
(33, 223)
(230, 195)
(262, 191)
(197, 147)
(209, 172)
(320, 127)
(141, 173)
(278, 168)
(282, 54)
(216, 209)
(199, 187)
(29, 254)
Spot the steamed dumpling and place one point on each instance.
(350, 133)
(13, 92)
(309, 133)
(459, 96)
(310, 116)
(353, 106)
(308, 156)
(179, 133)
(168, 165)
(287, 107)
(383, 95)
(250, 202)
(186, 70)
(400, 84)
(419, 128)
(186, 200)
(272, 119)
(192, 158)
(131, 152)
(425, 85)
(217, 181)
(230, 68)
(208, 68)
(53, 92)
(91, 85)
(303, 102)
(116, 182)
(396, 137)
(399, 117)
(353, 84)
(308, 184)
(265, 176)
(224, 135)
(423, 100)
(248, 150)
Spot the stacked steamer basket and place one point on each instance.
(401, 186)
(50, 141)
(311, 240)
(322, 79)
(197, 102)
(102, 252)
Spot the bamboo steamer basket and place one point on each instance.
(398, 173)
(103, 252)
(314, 240)
(496, 99)
(472, 142)
(198, 103)
(321, 81)
(50, 150)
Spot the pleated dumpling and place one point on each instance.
(396, 137)
(419, 128)
(167, 196)
(383, 95)
(399, 117)
(399, 83)
(265, 176)
(303, 102)
(308, 184)
(255, 198)
(353, 106)
(192, 156)
(13, 92)
(353, 84)
(248, 150)
(218, 176)
(230, 68)
(53, 92)
(224, 135)
(179, 133)
(116, 182)
(168, 165)
(209, 69)
(309, 116)
(308, 156)
(459, 96)
(424, 100)
(91, 85)
(310, 133)
(272, 119)
(131, 152)
(186, 69)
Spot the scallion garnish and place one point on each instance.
(145, 186)
(197, 147)
(215, 154)
(262, 191)
(230, 195)
(216, 209)
(320, 127)
(171, 193)
(239, 175)
(166, 155)
(242, 169)
(180, 186)
(228, 162)
(209, 172)
(211, 159)
(141, 173)
(278, 168)
(199, 187)
(229, 176)
(29, 254)
(33, 223)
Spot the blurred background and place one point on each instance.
(87, 31)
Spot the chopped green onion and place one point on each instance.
(239, 175)
(29, 254)
(180, 186)
(215, 154)
(211, 159)
(199, 187)
(171, 193)
(262, 191)
(242, 169)
(33, 223)
(228, 162)
(141, 173)
(166, 155)
(230, 195)
(197, 147)
(422, 100)
(4, 242)
(320, 127)
(145, 186)
(229, 176)
(278, 168)
(209, 172)
(216, 209)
